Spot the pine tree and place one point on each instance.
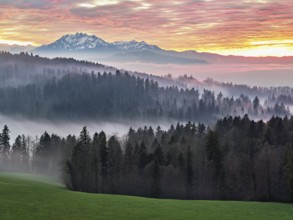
(256, 105)
(16, 150)
(95, 162)
(4, 141)
(16, 147)
(84, 137)
(43, 150)
(79, 168)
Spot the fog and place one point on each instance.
(20, 125)
(250, 74)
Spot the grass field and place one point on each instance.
(24, 197)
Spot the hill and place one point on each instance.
(28, 197)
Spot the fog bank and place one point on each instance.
(250, 74)
(20, 125)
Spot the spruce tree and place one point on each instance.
(4, 141)
(79, 168)
(95, 162)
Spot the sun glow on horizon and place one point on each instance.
(257, 48)
(256, 51)
(264, 51)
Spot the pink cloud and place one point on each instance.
(171, 24)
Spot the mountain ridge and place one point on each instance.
(84, 41)
(79, 45)
(141, 51)
(90, 47)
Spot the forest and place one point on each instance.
(67, 89)
(237, 159)
(224, 147)
(117, 96)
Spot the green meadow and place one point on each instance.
(25, 197)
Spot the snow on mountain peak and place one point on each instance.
(133, 45)
(82, 41)
(78, 41)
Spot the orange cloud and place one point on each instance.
(226, 26)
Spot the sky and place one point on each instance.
(237, 27)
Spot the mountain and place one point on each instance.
(81, 41)
(93, 48)
(15, 48)
(76, 42)
(134, 45)
(84, 46)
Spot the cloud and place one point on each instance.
(26, 4)
(179, 24)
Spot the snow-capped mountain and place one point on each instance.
(81, 41)
(78, 41)
(91, 47)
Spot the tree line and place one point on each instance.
(237, 159)
(116, 96)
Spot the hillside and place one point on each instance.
(26, 198)
(25, 68)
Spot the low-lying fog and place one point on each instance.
(20, 125)
(250, 74)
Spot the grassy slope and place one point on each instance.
(24, 198)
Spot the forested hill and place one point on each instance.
(68, 89)
(24, 68)
(113, 96)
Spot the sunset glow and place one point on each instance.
(244, 27)
(258, 51)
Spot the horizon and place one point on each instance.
(16, 43)
(245, 28)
